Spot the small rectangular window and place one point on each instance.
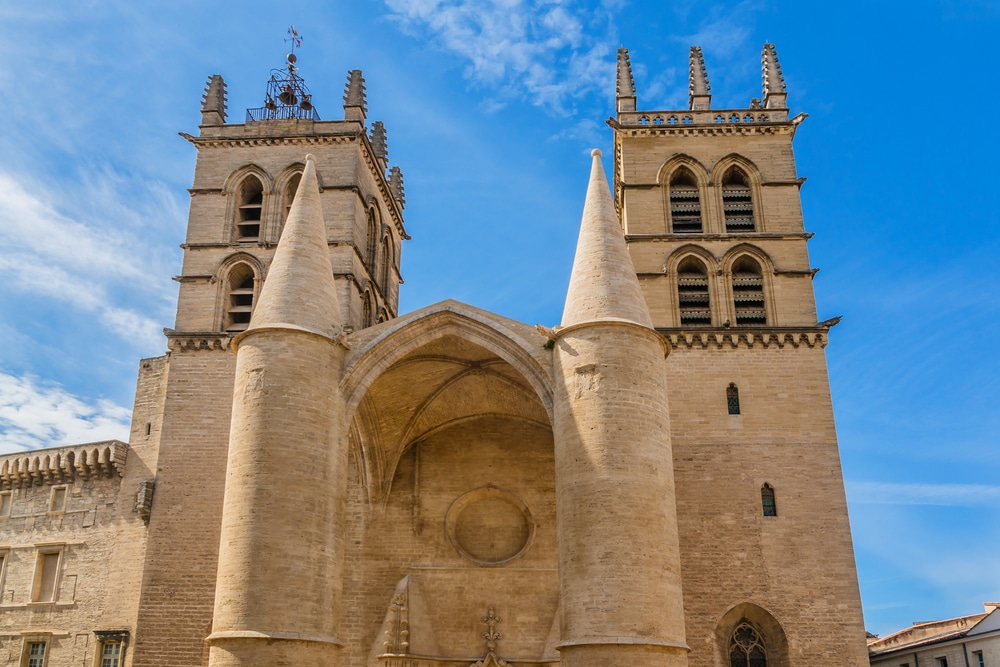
(36, 654)
(6, 503)
(57, 500)
(979, 658)
(111, 654)
(942, 662)
(46, 576)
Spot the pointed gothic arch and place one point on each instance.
(684, 182)
(286, 185)
(238, 278)
(748, 273)
(695, 297)
(747, 635)
(248, 190)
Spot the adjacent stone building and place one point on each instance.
(966, 641)
(314, 479)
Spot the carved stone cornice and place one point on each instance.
(197, 341)
(745, 338)
(60, 465)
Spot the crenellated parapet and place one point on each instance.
(60, 465)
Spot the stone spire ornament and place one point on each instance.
(625, 84)
(213, 102)
(355, 100)
(699, 90)
(379, 144)
(603, 284)
(773, 81)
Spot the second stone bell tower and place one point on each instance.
(708, 200)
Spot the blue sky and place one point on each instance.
(491, 108)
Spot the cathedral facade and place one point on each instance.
(315, 479)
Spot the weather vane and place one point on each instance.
(296, 39)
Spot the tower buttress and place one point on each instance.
(613, 454)
(699, 95)
(286, 477)
(625, 88)
(775, 96)
(213, 107)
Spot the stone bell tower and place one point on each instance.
(245, 181)
(709, 203)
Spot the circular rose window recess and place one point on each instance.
(489, 526)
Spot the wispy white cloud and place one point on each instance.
(948, 495)
(34, 415)
(85, 248)
(550, 52)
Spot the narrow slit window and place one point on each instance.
(737, 201)
(767, 500)
(692, 293)
(733, 399)
(748, 293)
(372, 240)
(239, 300)
(250, 210)
(685, 203)
(386, 266)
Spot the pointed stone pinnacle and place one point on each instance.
(213, 102)
(625, 84)
(699, 90)
(379, 142)
(603, 284)
(300, 291)
(355, 100)
(396, 186)
(773, 81)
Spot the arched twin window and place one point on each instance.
(239, 298)
(685, 203)
(737, 201)
(250, 206)
(748, 293)
(746, 647)
(692, 293)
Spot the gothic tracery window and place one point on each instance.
(767, 500)
(746, 647)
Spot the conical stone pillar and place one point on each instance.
(619, 562)
(278, 593)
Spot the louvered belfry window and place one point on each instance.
(239, 304)
(685, 203)
(692, 293)
(251, 206)
(748, 293)
(737, 201)
(746, 648)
